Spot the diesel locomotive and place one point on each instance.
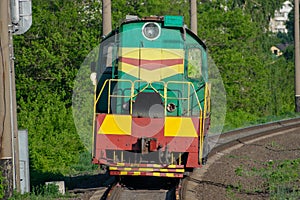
(152, 100)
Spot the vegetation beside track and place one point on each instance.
(2, 185)
(281, 179)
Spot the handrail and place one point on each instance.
(191, 91)
(190, 84)
(147, 84)
(202, 120)
(103, 86)
(156, 89)
(111, 95)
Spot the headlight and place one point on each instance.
(171, 107)
(151, 30)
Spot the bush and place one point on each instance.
(1, 185)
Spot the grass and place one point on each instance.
(42, 192)
(282, 178)
(2, 186)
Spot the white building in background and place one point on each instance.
(277, 24)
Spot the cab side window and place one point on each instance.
(194, 62)
(106, 58)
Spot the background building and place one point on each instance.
(277, 24)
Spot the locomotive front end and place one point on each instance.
(152, 99)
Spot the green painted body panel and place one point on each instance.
(131, 36)
(173, 21)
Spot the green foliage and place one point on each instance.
(41, 192)
(57, 43)
(256, 83)
(260, 10)
(46, 190)
(54, 144)
(239, 171)
(231, 38)
(282, 178)
(84, 164)
(143, 8)
(2, 186)
(48, 58)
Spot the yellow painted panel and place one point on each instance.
(129, 69)
(129, 52)
(152, 53)
(152, 75)
(179, 127)
(116, 124)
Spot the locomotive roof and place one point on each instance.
(133, 19)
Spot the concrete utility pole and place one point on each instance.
(297, 58)
(106, 17)
(6, 132)
(193, 15)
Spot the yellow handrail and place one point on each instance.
(132, 95)
(156, 89)
(144, 88)
(190, 85)
(202, 120)
(110, 95)
(165, 96)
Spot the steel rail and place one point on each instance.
(237, 136)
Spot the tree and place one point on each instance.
(260, 10)
(143, 8)
(241, 51)
(48, 57)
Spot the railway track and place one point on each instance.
(225, 143)
(142, 189)
(232, 138)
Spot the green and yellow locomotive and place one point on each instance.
(152, 104)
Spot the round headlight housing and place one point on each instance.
(171, 107)
(151, 30)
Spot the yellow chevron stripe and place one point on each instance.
(151, 53)
(151, 75)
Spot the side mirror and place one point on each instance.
(93, 67)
